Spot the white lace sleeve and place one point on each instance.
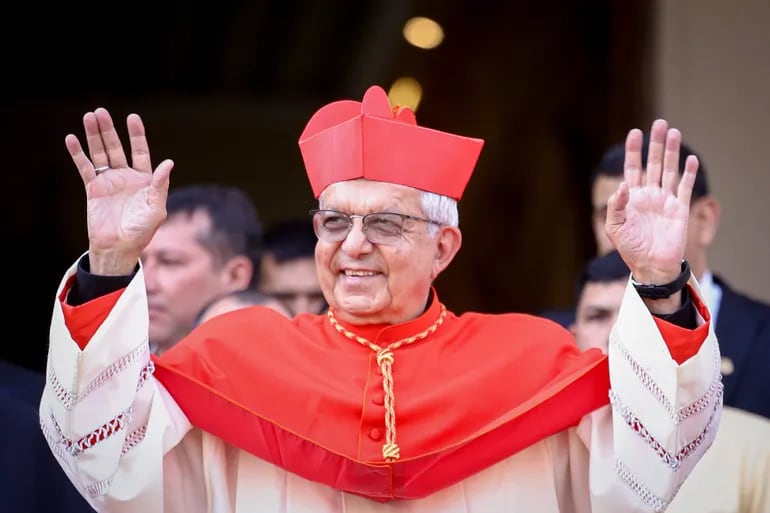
(663, 416)
(107, 420)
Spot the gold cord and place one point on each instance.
(385, 359)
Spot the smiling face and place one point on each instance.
(369, 283)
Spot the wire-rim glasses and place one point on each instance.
(379, 227)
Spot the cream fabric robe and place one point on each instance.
(127, 446)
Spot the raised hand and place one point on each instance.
(126, 203)
(647, 216)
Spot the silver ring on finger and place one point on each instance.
(101, 169)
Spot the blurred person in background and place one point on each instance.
(288, 267)
(210, 244)
(22, 383)
(32, 480)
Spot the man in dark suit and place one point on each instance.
(21, 383)
(33, 482)
(742, 324)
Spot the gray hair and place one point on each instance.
(442, 209)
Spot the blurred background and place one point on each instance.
(226, 87)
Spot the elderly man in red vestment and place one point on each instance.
(389, 401)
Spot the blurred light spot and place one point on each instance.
(423, 32)
(405, 92)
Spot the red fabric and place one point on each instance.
(345, 140)
(682, 343)
(82, 321)
(409, 478)
(306, 398)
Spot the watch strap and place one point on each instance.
(650, 291)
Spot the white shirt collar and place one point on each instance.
(712, 293)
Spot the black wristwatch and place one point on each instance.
(650, 291)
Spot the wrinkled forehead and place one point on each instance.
(363, 196)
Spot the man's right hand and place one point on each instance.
(125, 205)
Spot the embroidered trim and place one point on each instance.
(715, 392)
(66, 398)
(103, 432)
(99, 488)
(70, 399)
(133, 439)
(629, 479)
(673, 461)
(648, 382)
(54, 443)
(147, 371)
(60, 447)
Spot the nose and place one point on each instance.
(150, 275)
(355, 242)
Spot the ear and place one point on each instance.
(704, 220)
(237, 272)
(448, 242)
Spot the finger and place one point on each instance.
(112, 145)
(162, 175)
(616, 208)
(140, 151)
(160, 182)
(655, 152)
(688, 179)
(632, 163)
(94, 141)
(671, 160)
(81, 160)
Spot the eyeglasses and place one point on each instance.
(379, 227)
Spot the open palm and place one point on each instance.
(125, 205)
(648, 214)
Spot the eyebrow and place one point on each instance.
(599, 308)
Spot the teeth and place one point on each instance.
(349, 272)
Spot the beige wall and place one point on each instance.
(713, 82)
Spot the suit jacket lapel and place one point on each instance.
(735, 331)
